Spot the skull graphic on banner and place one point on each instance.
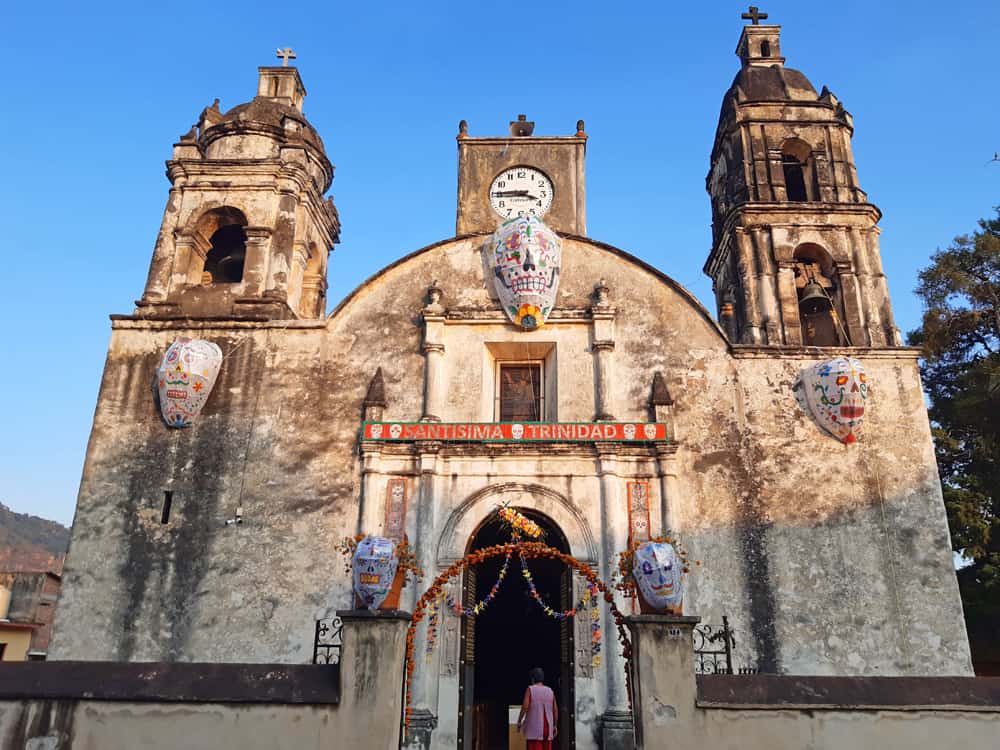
(526, 258)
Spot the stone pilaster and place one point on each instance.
(664, 690)
(433, 348)
(603, 345)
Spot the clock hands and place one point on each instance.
(514, 194)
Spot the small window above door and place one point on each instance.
(520, 392)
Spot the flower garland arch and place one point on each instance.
(526, 550)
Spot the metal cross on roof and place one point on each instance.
(286, 53)
(754, 16)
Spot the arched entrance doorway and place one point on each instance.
(514, 635)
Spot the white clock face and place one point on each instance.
(521, 191)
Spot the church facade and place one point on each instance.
(638, 411)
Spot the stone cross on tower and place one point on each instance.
(754, 16)
(286, 53)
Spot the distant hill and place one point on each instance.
(31, 543)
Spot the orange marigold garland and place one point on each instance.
(526, 550)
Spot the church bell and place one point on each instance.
(814, 299)
(230, 267)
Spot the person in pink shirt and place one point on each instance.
(539, 713)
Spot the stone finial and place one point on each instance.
(376, 390)
(191, 136)
(601, 292)
(522, 127)
(375, 402)
(580, 132)
(660, 395)
(210, 116)
(463, 129)
(434, 295)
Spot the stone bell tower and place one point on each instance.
(795, 254)
(246, 232)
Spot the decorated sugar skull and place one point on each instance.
(834, 393)
(629, 431)
(374, 565)
(526, 258)
(185, 378)
(395, 431)
(649, 430)
(657, 571)
(376, 431)
(517, 431)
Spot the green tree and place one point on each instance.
(960, 338)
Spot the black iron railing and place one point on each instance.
(328, 641)
(713, 650)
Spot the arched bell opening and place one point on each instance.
(819, 297)
(512, 636)
(799, 171)
(220, 236)
(227, 256)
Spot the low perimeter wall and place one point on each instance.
(183, 706)
(675, 709)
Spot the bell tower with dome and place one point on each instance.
(795, 254)
(247, 231)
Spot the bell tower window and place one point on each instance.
(797, 166)
(795, 183)
(224, 261)
(765, 49)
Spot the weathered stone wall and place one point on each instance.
(827, 558)
(674, 709)
(80, 706)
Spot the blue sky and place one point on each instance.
(97, 94)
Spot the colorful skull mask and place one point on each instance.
(834, 393)
(185, 378)
(526, 258)
(657, 571)
(374, 565)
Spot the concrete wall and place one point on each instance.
(673, 709)
(80, 706)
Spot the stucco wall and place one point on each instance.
(673, 709)
(828, 559)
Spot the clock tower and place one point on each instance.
(528, 174)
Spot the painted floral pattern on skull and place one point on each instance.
(185, 378)
(526, 258)
(374, 566)
(657, 571)
(834, 393)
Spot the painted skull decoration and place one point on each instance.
(657, 571)
(834, 393)
(527, 258)
(374, 565)
(185, 378)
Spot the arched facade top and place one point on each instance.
(630, 259)
(469, 515)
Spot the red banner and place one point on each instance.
(516, 432)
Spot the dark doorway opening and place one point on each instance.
(512, 636)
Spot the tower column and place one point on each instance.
(745, 267)
(766, 283)
(789, 299)
(255, 265)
